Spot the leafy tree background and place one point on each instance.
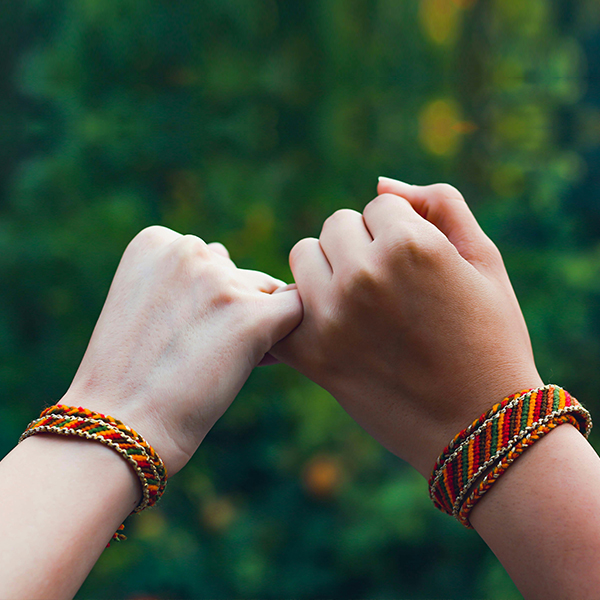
(249, 122)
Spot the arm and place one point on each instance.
(180, 332)
(62, 500)
(412, 324)
(542, 521)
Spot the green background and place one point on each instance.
(249, 122)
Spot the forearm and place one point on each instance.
(175, 303)
(542, 518)
(62, 500)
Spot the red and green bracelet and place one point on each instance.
(84, 423)
(481, 453)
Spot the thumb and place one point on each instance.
(444, 206)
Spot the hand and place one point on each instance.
(181, 330)
(410, 320)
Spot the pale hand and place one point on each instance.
(180, 332)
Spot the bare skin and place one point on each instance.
(542, 520)
(180, 332)
(411, 322)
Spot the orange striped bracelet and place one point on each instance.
(490, 478)
(84, 423)
(494, 441)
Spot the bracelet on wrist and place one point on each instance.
(481, 453)
(84, 423)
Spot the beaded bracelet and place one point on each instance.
(504, 431)
(81, 422)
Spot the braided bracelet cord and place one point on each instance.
(459, 438)
(488, 439)
(463, 447)
(71, 411)
(488, 481)
(95, 430)
(80, 422)
(499, 434)
(578, 416)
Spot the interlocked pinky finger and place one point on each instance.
(261, 282)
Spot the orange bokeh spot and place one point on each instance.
(322, 476)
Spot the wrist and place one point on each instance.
(476, 402)
(480, 454)
(88, 460)
(137, 416)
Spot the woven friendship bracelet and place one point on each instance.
(488, 481)
(136, 439)
(465, 433)
(81, 422)
(461, 449)
(495, 435)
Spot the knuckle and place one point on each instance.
(382, 204)
(403, 240)
(490, 253)
(339, 216)
(300, 248)
(417, 248)
(153, 236)
(219, 248)
(225, 295)
(365, 277)
(220, 284)
(191, 257)
(192, 246)
(446, 192)
(384, 200)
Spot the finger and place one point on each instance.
(261, 281)
(444, 206)
(219, 248)
(388, 214)
(313, 274)
(310, 267)
(284, 313)
(344, 238)
(289, 286)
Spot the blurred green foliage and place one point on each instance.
(249, 122)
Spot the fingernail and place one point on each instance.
(390, 180)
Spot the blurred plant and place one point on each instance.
(249, 122)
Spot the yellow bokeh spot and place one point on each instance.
(150, 525)
(441, 127)
(441, 20)
(218, 514)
